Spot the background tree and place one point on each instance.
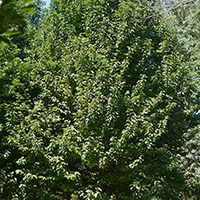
(22, 41)
(184, 21)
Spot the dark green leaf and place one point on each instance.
(5, 15)
(3, 39)
(6, 3)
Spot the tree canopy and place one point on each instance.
(98, 106)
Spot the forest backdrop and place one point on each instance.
(99, 100)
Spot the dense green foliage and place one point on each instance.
(11, 19)
(96, 107)
(185, 24)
